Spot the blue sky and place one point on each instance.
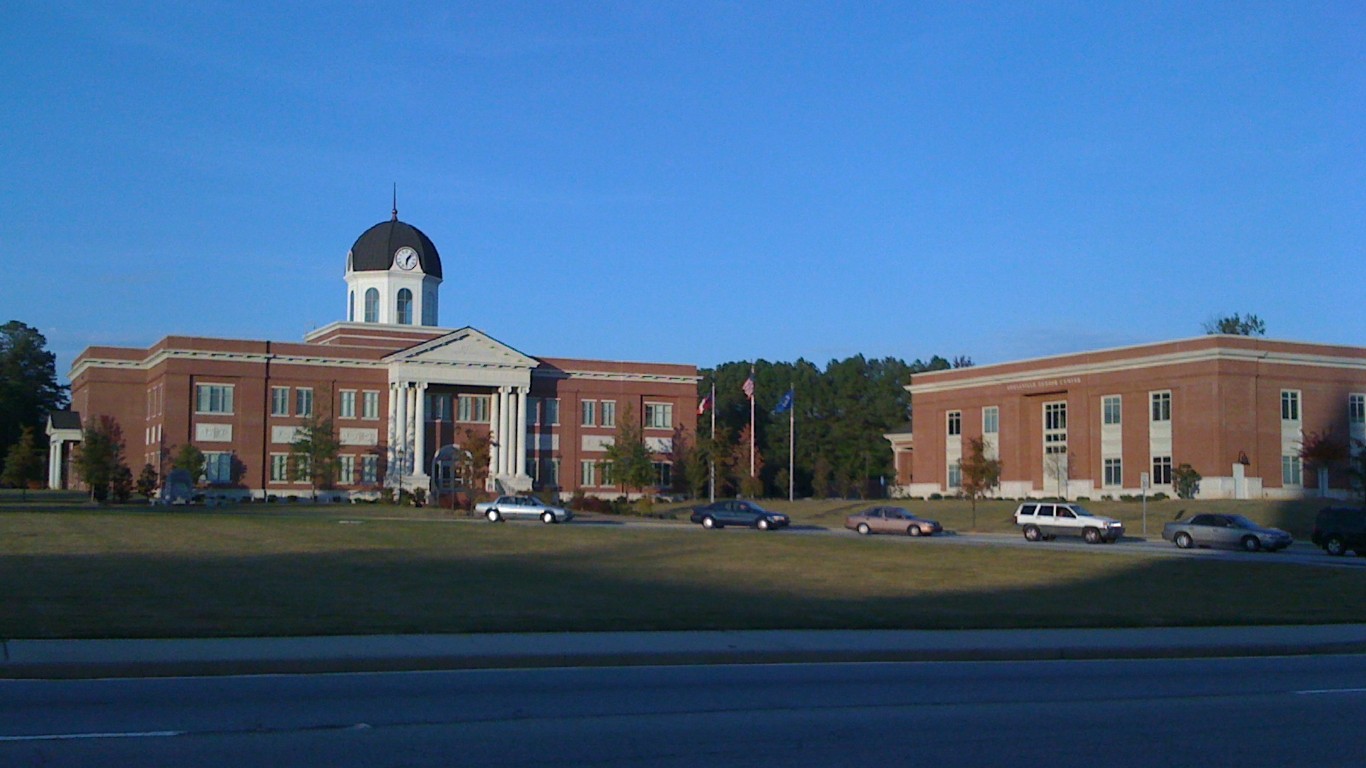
(696, 181)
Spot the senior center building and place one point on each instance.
(1237, 409)
(398, 388)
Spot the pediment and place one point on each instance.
(467, 347)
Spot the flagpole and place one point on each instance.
(751, 424)
(791, 444)
(712, 452)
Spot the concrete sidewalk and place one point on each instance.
(68, 659)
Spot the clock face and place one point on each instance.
(405, 258)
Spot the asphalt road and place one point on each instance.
(1209, 712)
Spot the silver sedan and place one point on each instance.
(1225, 531)
(522, 507)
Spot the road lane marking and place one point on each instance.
(1325, 691)
(111, 735)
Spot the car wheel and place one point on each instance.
(493, 516)
(914, 530)
(708, 522)
(1184, 540)
(547, 518)
(1251, 544)
(1335, 547)
(762, 525)
(1032, 533)
(1091, 535)
(864, 529)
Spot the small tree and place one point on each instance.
(189, 458)
(121, 484)
(22, 462)
(1236, 325)
(1322, 451)
(1186, 481)
(313, 454)
(1356, 468)
(751, 485)
(147, 481)
(979, 474)
(100, 456)
(628, 454)
(474, 471)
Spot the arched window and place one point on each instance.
(372, 306)
(429, 307)
(405, 307)
(351, 307)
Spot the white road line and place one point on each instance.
(1324, 691)
(73, 736)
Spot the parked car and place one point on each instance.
(723, 513)
(1340, 529)
(525, 506)
(1047, 520)
(1211, 530)
(891, 520)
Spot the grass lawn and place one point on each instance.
(72, 571)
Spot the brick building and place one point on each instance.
(1094, 424)
(397, 387)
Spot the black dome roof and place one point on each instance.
(374, 249)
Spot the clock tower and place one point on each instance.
(392, 275)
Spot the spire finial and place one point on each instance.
(396, 201)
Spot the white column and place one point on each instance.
(505, 430)
(54, 462)
(497, 435)
(522, 393)
(411, 443)
(393, 470)
(420, 450)
(401, 431)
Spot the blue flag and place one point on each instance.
(785, 404)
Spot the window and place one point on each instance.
(607, 473)
(279, 401)
(586, 473)
(473, 408)
(1356, 409)
(303, 401)
(991, 420)
(664, 474)
(1290, 405)
(659, 415)
(1114, 472)
(369, 469)
(439, 407)
(1055, 428)
(609, 413)
(955, 421)
(1291, 470)
(1162, 406)
(588, 410)
(551, 406)
(347, 405)
(404, 306)
(1110, 406)
(351, 307)
(370, 405)
(279, 467)
(548, 473)
(955, 475)
(217, 468)
(213, 398)
(346, 470)
(372, 305)
(1162, 470)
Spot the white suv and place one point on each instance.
(1046, 520)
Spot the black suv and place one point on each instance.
(1338, 529)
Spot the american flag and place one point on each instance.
(749, 385)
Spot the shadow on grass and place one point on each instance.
(509, 580)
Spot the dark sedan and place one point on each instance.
(891, 520)
(1225, 531)
(723, 513)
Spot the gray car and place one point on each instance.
(523, 507)
(1233, 531)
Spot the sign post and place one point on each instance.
(1143, 480)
